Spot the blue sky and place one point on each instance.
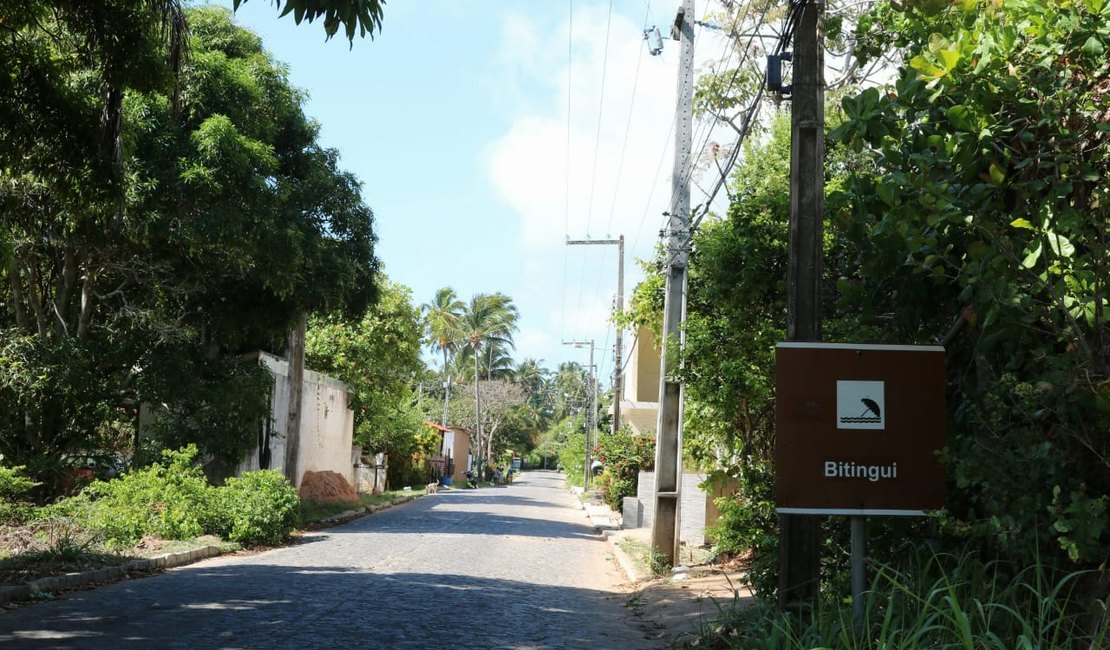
(457, 119)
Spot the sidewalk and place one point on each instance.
(672, 607)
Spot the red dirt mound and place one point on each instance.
(327, 487)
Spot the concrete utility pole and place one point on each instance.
(798, 554)
(618, 385)
(295, 357)
(668, 440)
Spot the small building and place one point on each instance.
(454, 450)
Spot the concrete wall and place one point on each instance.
(691, 510)
(642, 374)
(327, 425)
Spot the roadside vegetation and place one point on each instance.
(965, 204)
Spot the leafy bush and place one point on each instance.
(13, 509)
(257, 508)
(623, 455)
(572, 457)
(171, 500)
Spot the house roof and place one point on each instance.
(437, 427)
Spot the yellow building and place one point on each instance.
(640, 401)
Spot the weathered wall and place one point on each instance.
(691, 510)
(327, 425)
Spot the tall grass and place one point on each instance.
(940, 601)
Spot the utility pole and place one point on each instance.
(591, 413)
(798, 554)
(668, 447)
(618, 385)
(295, 358)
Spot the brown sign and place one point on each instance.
(857, 428)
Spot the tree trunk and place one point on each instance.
(477, 415)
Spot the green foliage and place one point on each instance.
(173, 500)
(969, 192)
(658, 563)
(570, 438)
(377, 358)
(215, 404)
(155, 227)
(412, 469)
(14, 508)
(362, 15)
(255, 509)
(624, 455)
(936, 601)
(747, 521)
(986, 203)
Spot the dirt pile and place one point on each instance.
(327, 487)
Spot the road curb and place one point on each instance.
(602, 520)
(44, 587)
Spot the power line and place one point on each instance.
(600, 112)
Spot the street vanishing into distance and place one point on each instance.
(514, 566)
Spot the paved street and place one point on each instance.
(505, 567)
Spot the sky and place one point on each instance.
(487, 133)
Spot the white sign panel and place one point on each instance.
(860, 405)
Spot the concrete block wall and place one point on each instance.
(691, 510)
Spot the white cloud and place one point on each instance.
(619, 179)
(528, 164)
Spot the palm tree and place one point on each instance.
(489, 320)
(441, 324)
(536, 382)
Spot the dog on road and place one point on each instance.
(431, 488)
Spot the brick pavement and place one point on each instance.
(507, 567)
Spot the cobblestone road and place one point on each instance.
(506, 567)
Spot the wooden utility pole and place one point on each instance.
(798, 555)
(668, 447)
(295, 357)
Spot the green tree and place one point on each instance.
(220, 221)
(984, 204)
(378, 358)
(441, 329)
(489, 320)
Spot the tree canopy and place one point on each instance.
(196, 234)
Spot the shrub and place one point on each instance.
(13, 485)
(171, 500)
(623, 455)
(258, 508)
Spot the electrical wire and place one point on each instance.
(566, 196)
(600, 112)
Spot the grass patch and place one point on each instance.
(938, 601)
(55, 547)
(639, 552)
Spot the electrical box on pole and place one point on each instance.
(668, 447)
